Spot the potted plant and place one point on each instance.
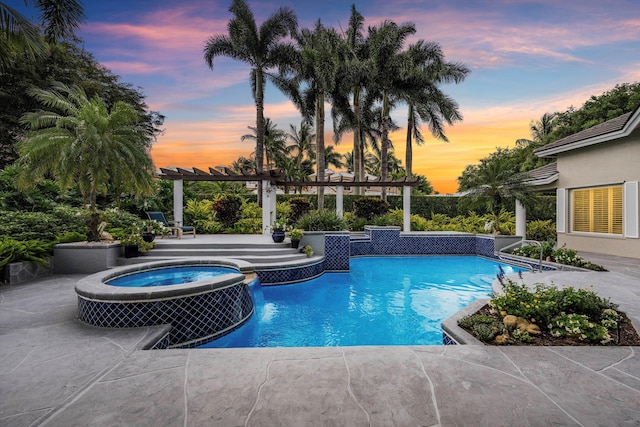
(296, 235)
(151, 229)
(131, 243)
(277, 231)
(308, 250)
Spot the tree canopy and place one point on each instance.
(70, 65)
(551, 127)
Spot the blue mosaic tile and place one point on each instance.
(191, 317)
(447, 340)
(337, 252)
(485, 246)
(290, 275)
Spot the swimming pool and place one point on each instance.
(381, 301)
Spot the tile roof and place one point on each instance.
(607, 127)
(543, 175)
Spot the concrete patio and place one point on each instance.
(57, 371)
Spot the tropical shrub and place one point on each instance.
(228, 209)
(370, 207)
(299, 206)
(201, 215)
(354, 223)
(571, 312)
(541, 230)
(36, 251)
(283, 212)
(321, 221)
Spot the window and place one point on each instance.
(598, 210)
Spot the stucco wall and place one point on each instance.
(602, 164)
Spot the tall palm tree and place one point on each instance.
(426, 69)
(262, 48)
(354, 74)
(315, 66)
(388, 70)
(59, 18)
(302, 142)
(333, 158)
(274, 142)
(243, 164)
(80, 140)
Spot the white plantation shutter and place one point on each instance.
(631, 211)
(561, 210)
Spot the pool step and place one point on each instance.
(255, 251)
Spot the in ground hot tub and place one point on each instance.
(197, 311)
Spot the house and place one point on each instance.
(596, 177)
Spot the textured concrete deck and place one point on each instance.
(56, 371)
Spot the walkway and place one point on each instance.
(57, 371)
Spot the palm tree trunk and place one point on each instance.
(409, 154)
(384, 158)
(259, 96)
(320, 147)
(357, 147)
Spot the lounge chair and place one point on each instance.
(174, 226)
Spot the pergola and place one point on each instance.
(270, 181)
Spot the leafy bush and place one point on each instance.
(40, 225)
(202, 216)
(541, 231)
(117, 218)
(228, 209)
(300, 206)
(321, 221)
(469, 321)
(71, 236)
(370, 207)
(579, 326)
(36, 251)
(578, 313)
(283, 212)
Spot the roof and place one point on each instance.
(543, 175)
(610, 130)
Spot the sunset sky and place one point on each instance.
(526, 58)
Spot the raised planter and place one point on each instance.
(19, 272)
(85, 257)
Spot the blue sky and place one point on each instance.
(526, 58)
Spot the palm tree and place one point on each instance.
(316, 67)
(497, 181)
(59, 18)
(243, 164)
(354, 74)
(426, 68)
(80, 140)
(302, 142)
(262, 48)
(333, 158)
(387, 72)
(274, 142)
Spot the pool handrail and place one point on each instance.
(521, 242)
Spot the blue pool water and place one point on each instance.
(170, 276)
(381, 301)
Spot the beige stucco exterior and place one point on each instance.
(608, 163)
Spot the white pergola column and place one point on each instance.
(406, 208)
(339, 201)
(268, 206)
(178, 200)
(521, 220)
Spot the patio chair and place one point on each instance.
(174, 226)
